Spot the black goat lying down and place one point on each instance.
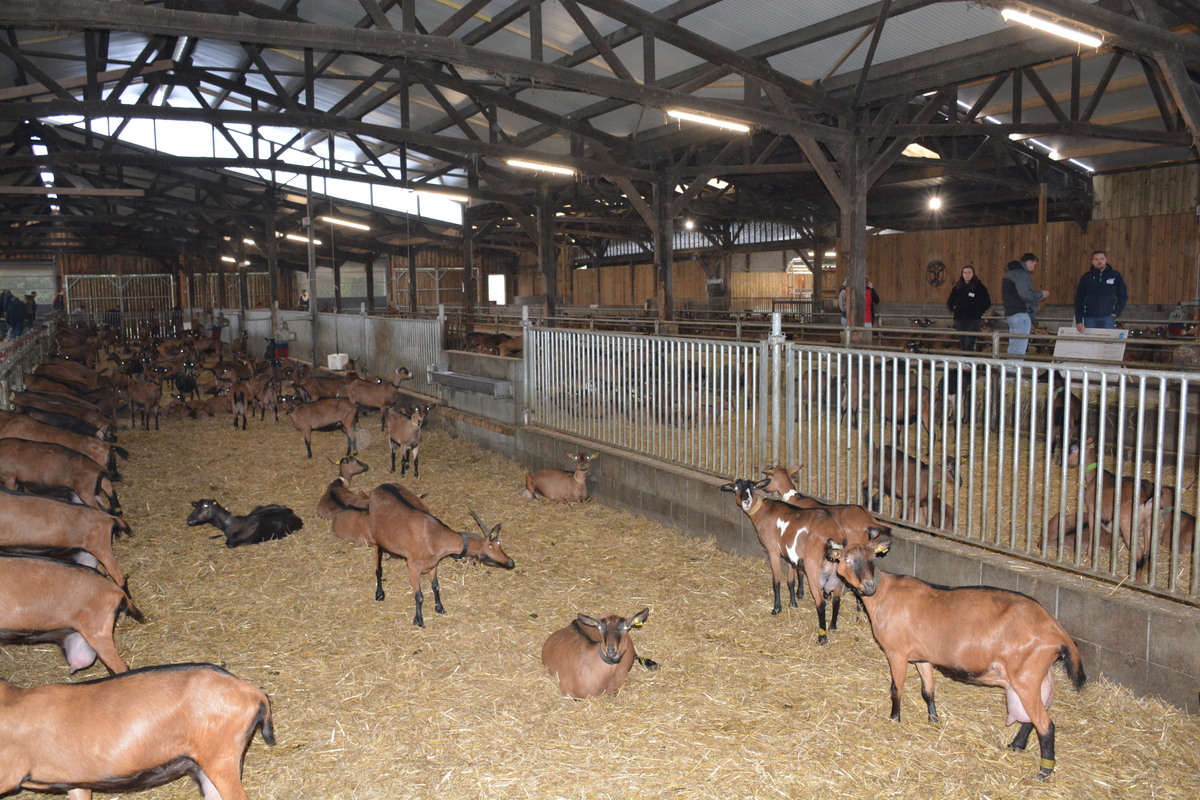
(260, 525)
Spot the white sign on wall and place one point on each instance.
(1098, 344)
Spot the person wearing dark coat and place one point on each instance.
(15, 317)
(1101, 295)
(969, 301)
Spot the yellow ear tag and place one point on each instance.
(881, 550)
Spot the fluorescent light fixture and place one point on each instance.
(935, 202)
(538, 166)
(704, 119)
(295, 237)
(915, 150)
(249, 242)
(345, 223)
(1086, 39)
(229, 259)
(456, 198)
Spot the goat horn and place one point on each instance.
(479, 522)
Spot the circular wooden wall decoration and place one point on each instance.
(935, 272)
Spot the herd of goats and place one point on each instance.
(60, 583)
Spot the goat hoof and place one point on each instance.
(775, 611)
(822, 639)
(379, 595)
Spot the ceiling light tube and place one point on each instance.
(345, 223)
(456, 198)
(295, 237)
(704, 119)
(229, 259)
(1086, 39)
(539, 166)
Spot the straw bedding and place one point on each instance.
(366, 705)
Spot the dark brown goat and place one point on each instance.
(33, 521)
(909, 480)
(404, 434)
(559, 484)
(43, 600)
(262, 524)
(53, 408)
(404, 531)
(131, 732)
(985, 636)
(592, 656)
(45, 466)
(323, 415)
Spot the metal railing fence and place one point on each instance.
(18, 359)
(690, 402)
(1090, 468)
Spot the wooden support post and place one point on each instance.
(546, 252)
(664, 249)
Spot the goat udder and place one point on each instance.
(79, 653)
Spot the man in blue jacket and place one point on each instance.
(1101, 295)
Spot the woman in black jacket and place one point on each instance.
(969, 301)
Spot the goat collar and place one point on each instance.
(604, 655)
(466, 543)
(1092, 467)
(755, 506)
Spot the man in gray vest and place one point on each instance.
(1021, 301)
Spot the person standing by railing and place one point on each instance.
(969, 301)
(870, 307)
(1101, 295)
(1021, 301)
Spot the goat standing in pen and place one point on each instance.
(331, 414)
(133, 731)
(262, 524)
(795, 538)
(559, 484)
(404, 434)
(593, 656)
(400, 529)
(75, 607)
(980, 635)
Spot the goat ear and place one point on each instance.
(639, 619)
(794, 470)
(584, 619)
(728, 487)
(882, 546)
(762, 484)
(833, 550)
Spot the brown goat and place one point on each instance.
(339, 496)
(323, 415)
(377, 394)
(404, 434)
(43, 600)
(1137, 500)
(560, 485)
(32, 521)
(795, 538)
(22, 426)
(593, 656)
(41, 465)
(909, 480)
(144, 393)
(131, 732)
(985, 636)
(404, 531)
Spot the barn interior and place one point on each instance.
(388, 180)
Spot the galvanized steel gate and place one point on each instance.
(985, 437)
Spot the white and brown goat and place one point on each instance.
(559, 484)
(131, 732)
(592, 656)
